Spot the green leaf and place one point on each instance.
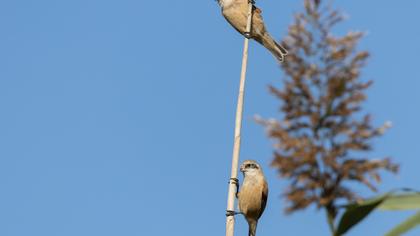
(405, 226)
(399, 202)
(357, 212)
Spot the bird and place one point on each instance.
(252, 197)
(236, 13)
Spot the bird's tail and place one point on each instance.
(276, 49)
(252, 227)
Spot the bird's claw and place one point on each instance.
(233, 213)
(247, 35)
(235, 181)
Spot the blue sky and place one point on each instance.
(117, 116)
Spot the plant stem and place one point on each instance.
(330, 219)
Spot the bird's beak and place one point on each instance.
(241, 169)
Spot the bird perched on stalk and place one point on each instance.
(236, 13)
(252, 197)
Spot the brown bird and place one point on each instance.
(236, 13)
(252, 197)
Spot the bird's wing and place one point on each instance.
(264, 196)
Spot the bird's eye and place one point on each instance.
(247, 165)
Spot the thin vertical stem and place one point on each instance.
(331, 219)
(230, 219)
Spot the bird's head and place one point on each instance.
(250, 167)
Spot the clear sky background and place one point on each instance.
(117, 117)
